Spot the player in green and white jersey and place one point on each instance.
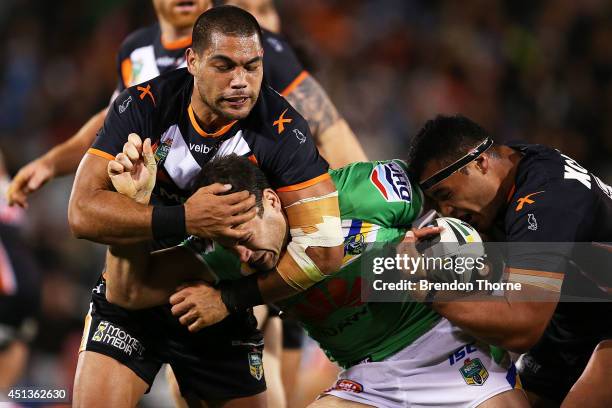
(394, 354)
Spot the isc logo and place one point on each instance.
(461, 353)
(392, 182)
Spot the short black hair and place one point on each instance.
(238, 171)
(444, 138)
(229, 20)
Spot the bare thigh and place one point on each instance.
(331, 401)
(507, 399)
(101, 381)
(594, 387)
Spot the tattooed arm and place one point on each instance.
(335, 139)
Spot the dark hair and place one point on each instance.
(444, 138)
(229, 20)
(237, 171)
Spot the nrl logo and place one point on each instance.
(474, 372)
(256, 365)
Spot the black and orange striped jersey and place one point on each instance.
(274, 136)
(144, 55)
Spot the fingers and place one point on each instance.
(124, 161)
(181, 308)
(17, 193)
(188, 317)
(427, 231)
(243, 205)
(198, 325)
(239, 198)
(136, 141)
(131, 152)
(217, 188)
(242, 218)
(114, 168)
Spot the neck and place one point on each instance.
(206, 117)
(509, 161)
(171, 33)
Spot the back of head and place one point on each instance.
(237, 171)
(445, 139)
(227, 20)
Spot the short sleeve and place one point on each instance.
(283, 70)
(543, 223)
(124, 116)
(295, 162)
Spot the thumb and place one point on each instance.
(36, 181)
(147, 153)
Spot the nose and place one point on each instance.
(239, 79)
(243, 253)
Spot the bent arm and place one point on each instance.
(511, 323)
(98, 214)
(334, 138)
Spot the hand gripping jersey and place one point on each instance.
(143, 56)
(274, 136)
(377, 204)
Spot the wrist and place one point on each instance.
(168, 222)
(241, 294)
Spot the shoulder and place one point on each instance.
(273, 116)
(275, 43)
(140, 38)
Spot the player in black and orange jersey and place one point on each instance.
(159, 48)
(19, 292)
(557, 220)
(216, 107)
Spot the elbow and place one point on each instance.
(328, 260)
(523, 339)
(76, 219)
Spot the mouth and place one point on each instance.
(237, 101)
(185, 6)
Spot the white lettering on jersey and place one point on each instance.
(392, 182)
(180, 164)
(199, 148)
(574, 171)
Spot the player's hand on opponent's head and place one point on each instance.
(209, 214)
(29, 179)
(133, 171)
(198, 305)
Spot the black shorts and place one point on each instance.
(555, 363)
(220, 362)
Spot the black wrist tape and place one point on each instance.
(241, 294)
(168, 222)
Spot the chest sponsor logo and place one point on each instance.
(118, 338)
(521, 202)
(256, 365)
(200, 148)
(392, 182)
(607, 190)
(574, 171)
(474, 372)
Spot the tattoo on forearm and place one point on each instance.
(310, 99)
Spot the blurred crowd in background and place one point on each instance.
(535, 71)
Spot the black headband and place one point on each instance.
(451, 168)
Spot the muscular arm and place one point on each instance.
(515, 325)
(61, 160)
(98, 214)
(335, 139)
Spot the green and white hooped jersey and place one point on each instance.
(377, 204)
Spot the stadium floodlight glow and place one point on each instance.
(457, 165)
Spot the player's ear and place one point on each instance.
(191, 57)
(482, 163)
(272, 199)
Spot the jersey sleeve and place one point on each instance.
(543, 222)
(294, 163)
(379, 192)
(125, 116)
(283, 70)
